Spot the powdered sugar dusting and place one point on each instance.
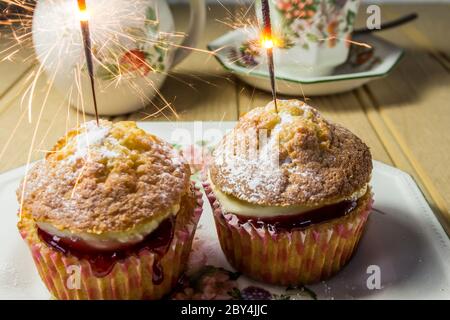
(256, 169)
(241, 169)
(285, 119)
(92, 139)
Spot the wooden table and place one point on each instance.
(404, 118)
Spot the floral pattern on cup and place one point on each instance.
(316, 21)
(147, 53)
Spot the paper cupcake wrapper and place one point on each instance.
(130, 278)
(289, 258)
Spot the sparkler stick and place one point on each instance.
(268, 44)
(84, 23)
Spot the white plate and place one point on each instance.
(384, 56)
(407, 243)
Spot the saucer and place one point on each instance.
(363, 65)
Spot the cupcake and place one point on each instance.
(290, 194)
(110, 213)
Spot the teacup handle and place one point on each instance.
(195, 31)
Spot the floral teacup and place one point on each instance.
(312, 35)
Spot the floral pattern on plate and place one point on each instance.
(249, 55)
(215, 283)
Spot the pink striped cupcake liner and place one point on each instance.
(289, 258)
(130, 278)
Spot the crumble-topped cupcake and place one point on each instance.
(290, 194)
(113, 204)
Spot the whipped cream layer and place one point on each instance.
(109, 240)
(233, 205)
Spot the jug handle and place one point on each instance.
(195, 30)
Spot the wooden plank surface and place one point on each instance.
(15, 60)
(430, 30)
(428, 33)
(414, 105)
(22, 140)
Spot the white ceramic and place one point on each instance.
(238, 52)
(133, 42)
(406, 241)
(312, 33)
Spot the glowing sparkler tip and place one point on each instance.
(83, 15)
(267, 43)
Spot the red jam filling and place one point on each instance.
(102, 262)
(301, 220)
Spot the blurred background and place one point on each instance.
(4, 13)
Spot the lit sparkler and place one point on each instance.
(268, 44)
(84, 23)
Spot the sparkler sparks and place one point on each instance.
(125, 57)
